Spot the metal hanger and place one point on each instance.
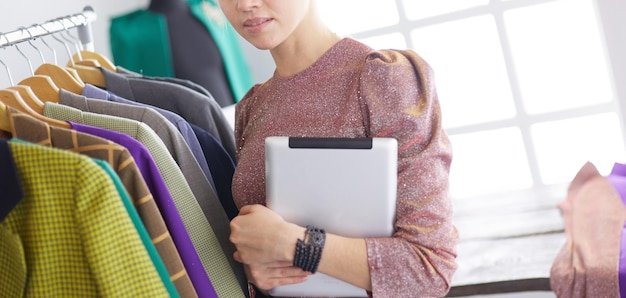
(5, 124)
(61, 77)
(42, 86)
(88, 69)
(13, 99)
(25, 91)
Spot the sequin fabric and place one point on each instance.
(353, 91)
(588, 263)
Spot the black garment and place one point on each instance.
(222, 169)
(194, 53)
(10, 185)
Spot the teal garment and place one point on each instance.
(141, 229)
(225, 37)
(139, 42)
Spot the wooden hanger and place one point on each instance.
(61, 77)
(5, 124)
(89, 72)
(74, 73)
(90, 55)
(29, 97)
(88, 62)
(13, 99)
(43, 87)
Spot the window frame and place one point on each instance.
(613, 41)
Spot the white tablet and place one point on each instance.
(346, 186)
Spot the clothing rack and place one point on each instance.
(81, 21)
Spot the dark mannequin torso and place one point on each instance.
(194, 53)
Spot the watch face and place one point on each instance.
(317, 239)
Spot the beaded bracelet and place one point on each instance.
(309, 251)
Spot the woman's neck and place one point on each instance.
(305, 46)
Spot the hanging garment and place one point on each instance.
(165, 202)
(617, 177)
(164, 95)
(78, 239)
(137, 223)
(12, 261)
(192, 106)
(166, 131)
(222, 166)
(204, 192)
(594, 216)
(195, 55)
(10, 183)
(118, 157)
(185, 83)
(143, 233)
(177, 135)
(140, 41)
(208, 239)
(227, 41)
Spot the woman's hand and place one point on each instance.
(261, 236)
(271, 275)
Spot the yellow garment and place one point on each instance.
(77, 237)
(12, 263)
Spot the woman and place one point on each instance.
(328, 86)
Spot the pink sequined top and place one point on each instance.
(353, 91)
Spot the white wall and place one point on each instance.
(25, 13)
(613, 14)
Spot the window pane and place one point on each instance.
(558, 55)
(346, 17)
(471, 77)
(389, 41)
(562, 147)
(418, 9)
(488, 162)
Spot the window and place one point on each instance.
(526, 86)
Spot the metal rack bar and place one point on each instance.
(81, 21)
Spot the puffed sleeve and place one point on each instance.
(399, 100)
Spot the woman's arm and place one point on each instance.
(346, 259)
(267, 244)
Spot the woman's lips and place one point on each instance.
(256, 25)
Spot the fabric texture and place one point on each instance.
(221, 168)
(141, 230)
(167, 207)
(10, 184)
(119, 158)
(140, 43)
(166, 131)
(202, 234)
(12, 258)
(78, 238)
(194, 107)
(617, 178)
(93, 92)
(186, 83)
(12, 263)
(201, 111)
(593, 216)
(354, 91)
